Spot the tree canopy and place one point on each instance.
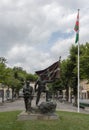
(68, 73)
(14, 77)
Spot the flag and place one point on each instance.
(50, 73)
(76, 28)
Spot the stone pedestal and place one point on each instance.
(33, 116)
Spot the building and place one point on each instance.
(5, 93)
(84, 89)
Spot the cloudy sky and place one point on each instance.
(35, 33)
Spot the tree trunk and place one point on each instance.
(12, 94)
(75, 100)
(67, 93)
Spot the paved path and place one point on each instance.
(19, 105)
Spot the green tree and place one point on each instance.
(12, 82)
(66, 73)
(31, 77)
(2, 69)
(84, 61)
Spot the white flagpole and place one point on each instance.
(78, 73)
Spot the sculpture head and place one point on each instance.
(27, 83)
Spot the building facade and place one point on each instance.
(84, 89)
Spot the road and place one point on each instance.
(19, 105)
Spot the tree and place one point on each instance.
(84, 61)
(12, 82)
(3, 60)
(66, 73)
(31, 77)
(2, 69)
(84, 66)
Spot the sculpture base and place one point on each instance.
(31, 116)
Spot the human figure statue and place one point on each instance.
(40, 86)
(28, 95)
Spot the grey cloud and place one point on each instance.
(26, 23)
(29, 58)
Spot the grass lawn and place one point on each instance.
(67, 121)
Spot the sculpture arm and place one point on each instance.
(49, 81)
(36, 85)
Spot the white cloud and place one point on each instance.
(26, 25)
(61, 47)
(28, 58)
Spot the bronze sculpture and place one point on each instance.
(28, 95)
(40, 86)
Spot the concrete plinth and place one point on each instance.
(30, 116)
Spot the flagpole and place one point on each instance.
(78, 74)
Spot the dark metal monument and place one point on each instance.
(28, 95)
(44, 110)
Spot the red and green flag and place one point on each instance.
(76, 28)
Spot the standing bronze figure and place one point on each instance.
(40, 86)
(28, 95)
